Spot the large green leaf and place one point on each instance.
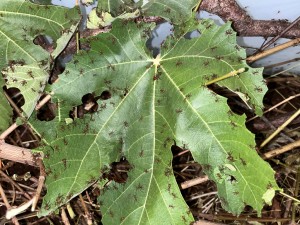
(153, 102)
(27, 63)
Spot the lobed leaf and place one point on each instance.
(154, 102)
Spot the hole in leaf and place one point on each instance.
(89, 105)
(105, 95)
(58, 68)
(119, 171)
(23, 136)
(47, 112)
(231, 179)
(234, 101)
(158, 37)
(192, 34)
(44, 41)
(15, 95)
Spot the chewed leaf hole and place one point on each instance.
(105, 95)
(118, 171)
(47, 112)
(89, 105)
(15, 95)
(192, 34)
(45, 42)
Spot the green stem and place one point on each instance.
(197, 7)
(231, 74)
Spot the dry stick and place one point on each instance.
(204, 222)
(86, 211)
(279, 129)
(44, 101)
(290, 197)
(181, 153)
(240, 218)
(15, 184)
(64, 217)
(12, 103)
(275, 106)
(193, 182)
(281, 33)
(40, 184)
(10, 213)
(8, 131)
(70, 211)
(281, 150)
(273, 50)
(17, 154)
(295, 194)
(282, 63)
(16, 108)
(14, 219)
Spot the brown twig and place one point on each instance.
(86, 211)
(43, 101)
(40, 184)
(193, 182)
(204, 222)
(64, 217)
(229, 10)
(14, 219)
(279, 129)
(8, 131)
(212, 217)
(273, 40)
(17, 154)
(273, 50)
(281, 150)
(15, 184)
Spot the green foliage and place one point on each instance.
(176, 11)
(5, 109)
(27, 63)
(22, 21)
(153, 103)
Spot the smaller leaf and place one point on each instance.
(94, 21)
(30, 80)
(177, 11)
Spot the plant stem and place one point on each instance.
(197, 6)
(230, 74)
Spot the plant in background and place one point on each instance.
(151, 103)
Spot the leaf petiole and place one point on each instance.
(231, 74)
